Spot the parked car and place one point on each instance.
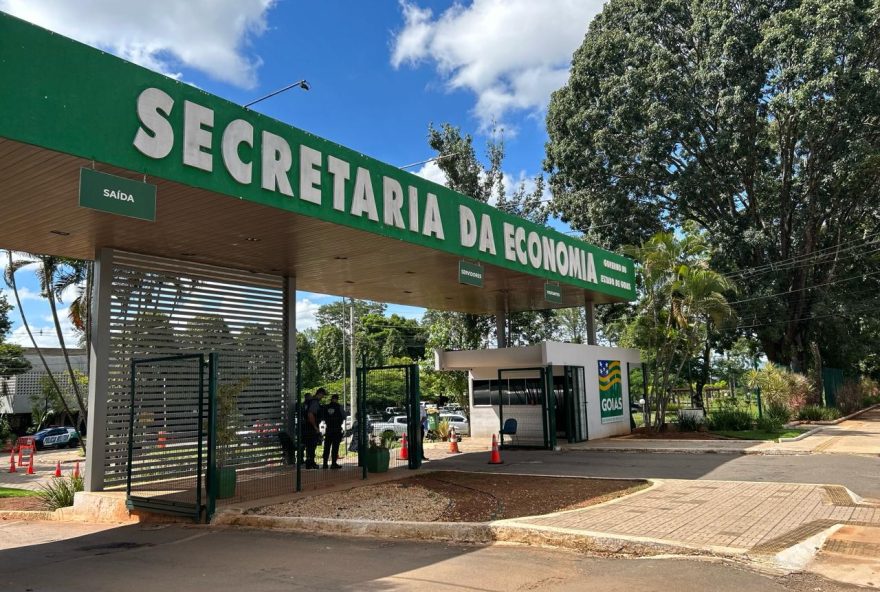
(457, 421)
(56, 438)
(391, 411)
(397, 423)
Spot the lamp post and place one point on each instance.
(303, 84)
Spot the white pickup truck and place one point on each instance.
(397, 423)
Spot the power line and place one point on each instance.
(860, 276)
(793, 261)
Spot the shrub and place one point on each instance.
(725, 420)
(443, 430)
(869, 401)
(781, 388)
(774, 417)
(58, 493)
(817, 413)
(849, 397)
(688, 423)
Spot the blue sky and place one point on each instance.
(380, 72)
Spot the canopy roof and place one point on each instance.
(237, 189)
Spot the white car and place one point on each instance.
(397, 423)
(457, 421)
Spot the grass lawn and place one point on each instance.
(759, 435)
(12, 492)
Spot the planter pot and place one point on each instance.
(377, 460)
(226, 482)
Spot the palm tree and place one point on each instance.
(9, 276)
(681, 296)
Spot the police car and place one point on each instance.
(56, 438)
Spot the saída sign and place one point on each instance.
(117, 195)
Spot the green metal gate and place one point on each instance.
(527, 395)
(388, 409)
(169, 448)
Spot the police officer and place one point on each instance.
(334, 418)
(311, 431)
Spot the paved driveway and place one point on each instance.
(762, 518)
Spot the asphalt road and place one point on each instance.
(860, 474)
(89, 558)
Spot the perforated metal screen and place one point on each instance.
(160, 307)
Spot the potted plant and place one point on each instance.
(378, 453)
(228, 439)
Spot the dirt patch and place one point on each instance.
(20, 503)
(446, 496)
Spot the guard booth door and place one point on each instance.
(527, 395)
(388, 413)
(168, 428)
(575, 404)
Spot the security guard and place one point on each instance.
(334, 418)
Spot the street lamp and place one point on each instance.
(303, 84)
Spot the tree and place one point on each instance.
(12, 360)
(12, 266)
(758, 120)
(680, 297)
(308, 364)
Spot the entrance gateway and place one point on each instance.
(241, 211)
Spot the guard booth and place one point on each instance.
(203, 219)
(556, 392)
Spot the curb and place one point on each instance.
(473, 533)
(730, 451)
(801, 436)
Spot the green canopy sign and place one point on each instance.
(135, 119)
(117, 195)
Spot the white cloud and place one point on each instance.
(511, 53)
(45, 335)
(305, 314)
(24, 293)
(432, 172)
(163, 35)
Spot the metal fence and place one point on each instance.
(390, 416)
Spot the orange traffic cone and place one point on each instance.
(495, 458)
(57, 468)
(453, 443)
(404, 449)
(76, 470)
(12, 462)
(31, 470)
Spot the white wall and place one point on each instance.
(484, 365)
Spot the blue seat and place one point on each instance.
(509, 429)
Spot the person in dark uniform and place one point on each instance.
(311, 431)
(334, 418)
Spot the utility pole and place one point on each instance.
(353, 361)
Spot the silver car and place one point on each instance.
(457, 421)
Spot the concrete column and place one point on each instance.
(289, 323)
(99, 360)
(501, 328)
(590, 310)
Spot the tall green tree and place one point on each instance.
(758, 120)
